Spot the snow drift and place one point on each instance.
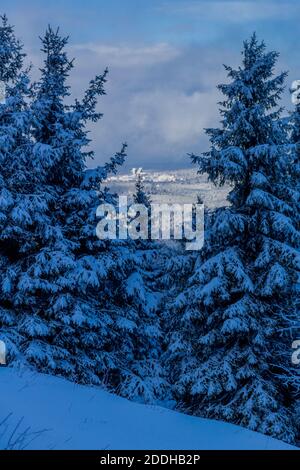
(45, 412)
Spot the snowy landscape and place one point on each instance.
(115, 335)
(171, 187)
(42, 412)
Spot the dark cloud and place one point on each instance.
(164, 62)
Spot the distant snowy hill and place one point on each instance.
(171, 186)
(52, 413)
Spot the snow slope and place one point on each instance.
(69, 416)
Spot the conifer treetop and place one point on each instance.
(11, 52)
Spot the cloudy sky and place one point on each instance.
(165, 59)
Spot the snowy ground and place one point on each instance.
(52, 413)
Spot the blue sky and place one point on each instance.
(165, 59)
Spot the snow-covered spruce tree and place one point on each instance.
(62, 291)
(143, 377)
(21, 204)
(13, 128)
(235, 307)
(294, 379)
(77, 295)
(141, 196)
(295, 134)
(294, 122)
